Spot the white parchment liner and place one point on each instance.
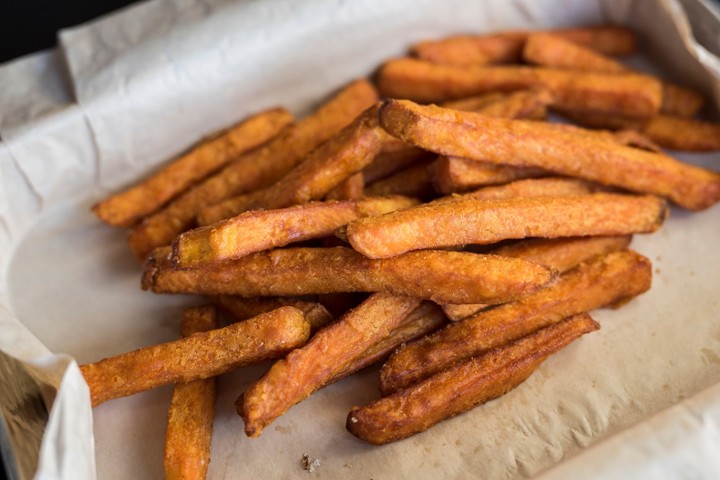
(123, 94)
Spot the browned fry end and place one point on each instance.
(200, 356)
(463, 386)
(600, 281)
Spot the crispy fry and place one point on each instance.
(559, 148)
(259, 230)
(240, 308)
(394, 159)
(529, 104)
(483, 222)
(441, 276)
(202, 355)
(600, 281)
(321, 171)
(125, 208)
(414, 181)
(532, 187)
(351, 188)
(506, 47)
(549, 50)
(561, 254)
(683, 134)
(425, 319)
(455, 174)
(462, 387)
(330, 351)
(627, 94)
(257, 169)
(192, 411)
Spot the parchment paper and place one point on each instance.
(123, 94)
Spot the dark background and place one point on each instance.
(27, 26)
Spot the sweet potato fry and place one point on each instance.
(456, 175)
(598, 282)
(507, 47)
(255, 170)
(192, 411)
(126, 208)
(561, 254)
(483, 222)
(321, 171)
(549, 50)
(330, 351)
(627, 94)
(202, 355)
(393, 159)
(240, 308)
(425, 319)
(462, 387)
(559, 148)
(441, 276)
(683, 134)
(531, 187)
(413, 181)
(259, 230)
(352, 188)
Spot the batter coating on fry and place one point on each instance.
(257, 169)
(441, 276)
(191, 412)
(330, 351)
(562, 149)
(463, 386)
(203, 355)
(470, 221)
(598, 282)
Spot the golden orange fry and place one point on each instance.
(393, 159)
(352, 188)
(463, 386)
(563, 149)
(257, 169)
(240, 308)
(259, 230)
(191, 412)
(413, 181)
(202, 355)
(507, 47)
(322, 170)
(552, 51)
(627, 94)
(441, 276)
(327, 354)
(600, 281)
(470, 221)
(683, 134)
(562, 254)
(531, 187)
(125, 208)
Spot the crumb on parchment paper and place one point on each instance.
(308, 464)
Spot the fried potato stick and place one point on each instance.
(441, 276)
(240, 308)
(627, 94)
(259, 230)
(352, 188)
(425, 319)
(456, 175)
(561, 149)
(327, 354)
(463, 386)
(561, 254)
(683, 134)
(192, 411)
(413, 181)
(257, 169)
(552, 51)
(202, 355)
(529, 187)
(507, 47)
(482, 222)
(322, 170)
(125, 208)
(600, 281)
(394, 159)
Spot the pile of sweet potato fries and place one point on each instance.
(461, 242)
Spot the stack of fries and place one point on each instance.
(464, 243)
